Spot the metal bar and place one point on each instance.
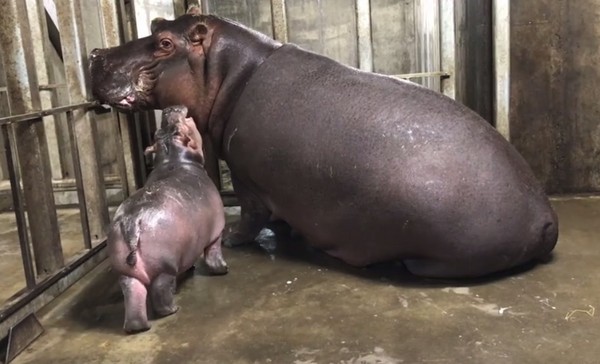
(363, 30)
(32, 153)
(40, 46)
(119, 128)
(51, 86)
(17, 196)
(448, 46)
(31, 301)
(501, 36)
(74, 55)
(279, 18)
(85, 225)
(39, 114)
(422, 74)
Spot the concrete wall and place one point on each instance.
(555, 78)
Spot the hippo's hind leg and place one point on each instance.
(213, 257)
(136, 317)
(162, 291)
(254, 216)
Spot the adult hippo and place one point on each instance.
(366, 167)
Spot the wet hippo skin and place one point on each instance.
(161, 230)
(366, 167)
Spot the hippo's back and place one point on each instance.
(172, 218)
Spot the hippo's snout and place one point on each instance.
(95, 53)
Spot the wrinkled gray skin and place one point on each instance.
(166, 226)
(368, 168)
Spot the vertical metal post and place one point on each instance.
(4, 111)
(17, 195)
(448, 47)
(279, 19)
(85, 222)
(39, 34)
(427, 33)
(501, 36)
(29, 136)
(363, 30)
(110, 29)
(73, 49)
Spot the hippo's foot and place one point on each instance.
(213, 257)
(234, 238)
(254, 217)
(166, 311)
(136, 326)
(134, 291)
(162, 293)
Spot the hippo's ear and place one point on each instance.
(155, 23)
(198, 33)
(194, 10)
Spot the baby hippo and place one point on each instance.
(166, 226)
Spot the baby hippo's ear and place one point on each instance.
(155, 24)
(151, 149)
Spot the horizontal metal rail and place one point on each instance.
(422, 74)
(49, 87)
(39, 114)
(25, 297)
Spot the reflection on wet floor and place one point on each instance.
(11, 264)
(296, 305)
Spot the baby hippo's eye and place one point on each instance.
(166, 44)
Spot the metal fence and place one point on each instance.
(34, 109)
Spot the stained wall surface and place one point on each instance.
(555, 73)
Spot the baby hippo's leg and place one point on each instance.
(136, 318)
(161, 295)
(214, 258)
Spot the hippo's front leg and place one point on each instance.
(254, 216)
(162, 291)
(136, 317)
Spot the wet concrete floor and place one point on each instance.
(298, 306)
(11, 265)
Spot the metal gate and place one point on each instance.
(51, 155)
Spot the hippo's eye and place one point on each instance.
(166, 44)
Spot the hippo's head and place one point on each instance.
(154, 72)
(178, 138)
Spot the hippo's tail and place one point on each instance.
(130, 228)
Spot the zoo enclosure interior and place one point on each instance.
(91, 158)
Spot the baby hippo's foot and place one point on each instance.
(134, 326)
(134, 292)
(161, 294)
(165, 310)
(214, 258)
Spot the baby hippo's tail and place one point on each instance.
(130, 229)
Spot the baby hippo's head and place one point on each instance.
(177, 137)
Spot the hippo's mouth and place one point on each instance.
(127, 92)
(128, 102)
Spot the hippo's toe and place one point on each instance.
(136, 326)
(166, 311)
